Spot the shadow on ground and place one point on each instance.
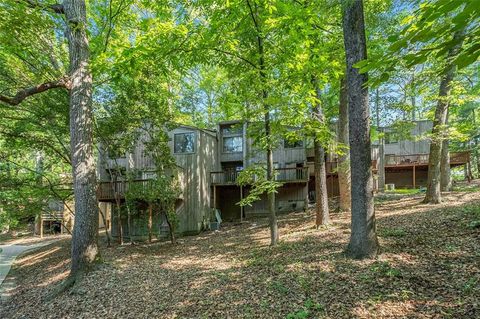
(429, 268)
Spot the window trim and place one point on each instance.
(194, 142)
(231, 136)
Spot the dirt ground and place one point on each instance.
(429, 267)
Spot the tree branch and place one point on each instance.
(236, 56)
(23, 94)
(57, 8)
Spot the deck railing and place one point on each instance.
(422, 159)
(109, 190)
(284, 175)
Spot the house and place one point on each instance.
(406, 159)
(210, 162)
(236, 151)
(194, 151)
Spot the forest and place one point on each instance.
(239, 159)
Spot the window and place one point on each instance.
(233, 144)
(293, 144)
(232, 129)
(184, 143)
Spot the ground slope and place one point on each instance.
(429, 268)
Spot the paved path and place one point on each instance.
(8, 253)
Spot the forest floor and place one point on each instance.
(429, 267)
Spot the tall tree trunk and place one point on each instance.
(433, 195)
(150, 222)
(381, 146)
(344, 180)
(445, 176)
(268, 133)
(363, 240)
(171, 227)
(321, 194)
(85, 232)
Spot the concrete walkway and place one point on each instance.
(8, 253)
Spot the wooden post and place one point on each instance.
(41, 226)
(214, 196)
(414, 184)
(241, 207)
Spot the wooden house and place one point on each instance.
(406, 159)
(210, 161)
(236, 151)
(194, 151)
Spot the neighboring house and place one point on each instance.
(236, 152)
(194, 151)
(210, 161)
(406, 160)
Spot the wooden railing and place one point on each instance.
(109, 190)
(52, 216)
(422, 159)
(285, 175)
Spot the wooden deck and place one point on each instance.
(284, 175)
(399, 161)
(106, 191)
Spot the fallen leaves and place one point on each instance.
(429, 268)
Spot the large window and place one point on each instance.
(233, 144)
(184, 143)
(293, 144)
(233, 129)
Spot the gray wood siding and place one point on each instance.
(420, 144)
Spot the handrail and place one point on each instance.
(285, 174)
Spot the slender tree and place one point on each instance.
(344, 180)
(322, 212)
(433, 194)
(363, 240)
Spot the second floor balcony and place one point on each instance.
(456, 158)
(283, 175)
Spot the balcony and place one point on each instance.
(107, 191)
(458, 158)
(283, 175)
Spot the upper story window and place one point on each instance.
(184, 143)
(293, 144)
(233, 144)
(234, 129)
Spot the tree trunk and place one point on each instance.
(150, 222)
(381, 146)
(85, 232)
(363, 239)
(445, 176)
(106, 227)
(321, 194)
(129, 223)
(268, 133)
(344, 180)
(433, 195)
(171, 227)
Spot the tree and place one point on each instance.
(79, 84)
(363, 240)
(433, 194)
(344, 180)
(322, 211)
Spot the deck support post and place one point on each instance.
(241, 207)
(214, 197)
(414, 184)
(41, 226)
